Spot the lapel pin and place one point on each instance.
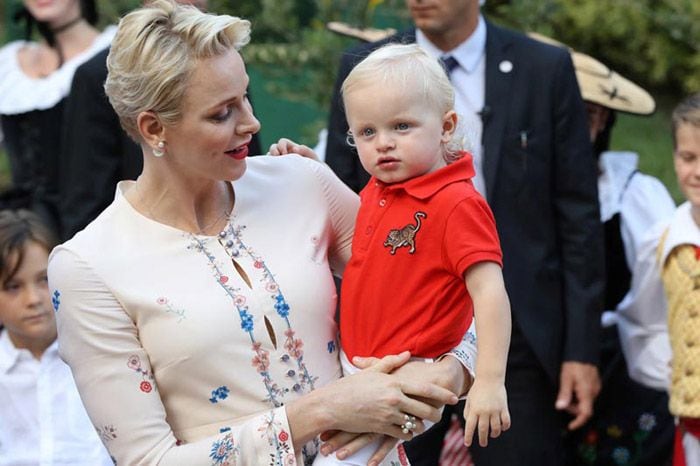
(506, 66)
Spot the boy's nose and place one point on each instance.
(385, 142)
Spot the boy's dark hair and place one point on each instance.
(17, 228)
(687, 112)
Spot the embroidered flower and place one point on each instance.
(223, 279)
(222, 449)
(258, 264)
(283, 436)
(146, 386)
(621, 455)
(281, 306)
(272, 287)
(239, 301)
(106, 433)
(246, 321)
(162, 301)
(290, 460)
(591, 437)
(134, 362)
(647, 422)
(471, 337)
(56, 300)
(614, 431)
(220, 393)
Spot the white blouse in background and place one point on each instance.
(645, 207)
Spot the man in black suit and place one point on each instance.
(535, 167)
(96, 153)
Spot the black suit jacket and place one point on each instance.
(96, 152)
(541, 185)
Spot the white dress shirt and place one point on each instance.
(468, 79)
(42, 420)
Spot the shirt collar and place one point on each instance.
(423, 187)
(682, 230)
(10, 355)
(468, 54)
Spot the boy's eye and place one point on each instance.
(11, 287)
(366, 132)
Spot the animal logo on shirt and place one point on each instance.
(406, 236)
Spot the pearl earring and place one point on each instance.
(159, 151)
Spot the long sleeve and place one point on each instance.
(641, 317)
(578, 219)
(100, 342)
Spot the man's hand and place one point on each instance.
(579, 385)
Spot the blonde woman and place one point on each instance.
(196, 311)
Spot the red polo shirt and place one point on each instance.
(415, 299)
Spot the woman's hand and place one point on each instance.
(486, 409)
(369, 401)
(379, 402)
(287, 146)
(448, 372)
(345, 444)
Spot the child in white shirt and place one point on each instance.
(42, 420)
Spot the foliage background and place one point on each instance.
(292, 58)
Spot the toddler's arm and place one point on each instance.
(486, 406)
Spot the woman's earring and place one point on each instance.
(159, 151)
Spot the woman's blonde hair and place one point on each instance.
(156, 50)
(409, 68)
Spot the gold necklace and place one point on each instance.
(224, 214)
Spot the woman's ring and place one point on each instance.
(409, 424)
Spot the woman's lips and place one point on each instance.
(239, 153)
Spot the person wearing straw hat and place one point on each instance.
(631, 419)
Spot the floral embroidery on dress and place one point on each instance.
(220, 393)
(170, 309)
(223, 451)
(56, 300)
(300, 379)
(106, 433)
(146, 385)
(630, 445)
(282, 452)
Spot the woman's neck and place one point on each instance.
(75, 38)
(199, 208)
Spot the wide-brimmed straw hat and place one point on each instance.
(603, 86)
(366, 34)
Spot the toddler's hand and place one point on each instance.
(287, 146)
(486, 408)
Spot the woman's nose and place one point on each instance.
(248, 124)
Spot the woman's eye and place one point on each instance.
(224, 115)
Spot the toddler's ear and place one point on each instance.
(449, 125)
